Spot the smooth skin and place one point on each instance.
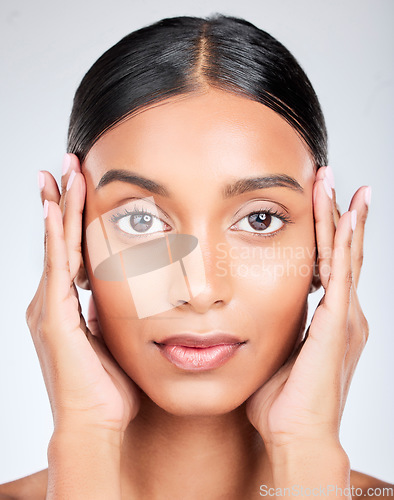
(121, 429)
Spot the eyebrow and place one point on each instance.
(251, 183)
(131, 178)
(230, 190)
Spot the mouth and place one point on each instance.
(198, 352)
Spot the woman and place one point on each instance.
(197, 205)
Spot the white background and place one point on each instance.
(347, 50)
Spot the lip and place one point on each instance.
(199, 352)
(201, 339)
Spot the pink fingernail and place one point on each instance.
(41, 180)
(354, 219)
(330, 176)
(70, 180)
(46, 204)
(327, 186)
(367, 194)
(66, 163)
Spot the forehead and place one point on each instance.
(212, 133)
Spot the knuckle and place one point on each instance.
(365, 328)
(362, 333)
(43, 330)
(51, 266)
(359, 258)
(363, 217)
(77, 247)
(346, 345)
(349, 277)
(29, 314)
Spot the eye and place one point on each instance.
(138, 223)
(262, 222)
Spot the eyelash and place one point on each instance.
(268, 211)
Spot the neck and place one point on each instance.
(169, 456)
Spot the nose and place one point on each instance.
(207, 278)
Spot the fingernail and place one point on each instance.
(367, 194)
(66, 163)
(354, 219)
(327, 186)
(45, 208)
(41, 180)
(70, 180)
(330, 176)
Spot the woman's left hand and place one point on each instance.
(304, 400)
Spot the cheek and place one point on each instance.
(126, 336)
(272, 290)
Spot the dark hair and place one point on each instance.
(180, 55)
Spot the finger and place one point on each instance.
(337, 295)
(74, 200)
(48, 187)
(48, 191)
(70, 164)
(330, 175)
(324, 224)
(336, 209)
(359, 202)
(57, 279)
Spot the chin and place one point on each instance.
(194, 398)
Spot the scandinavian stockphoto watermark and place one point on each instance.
(271, 262)
(297, 490)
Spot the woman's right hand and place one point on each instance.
(86, 386)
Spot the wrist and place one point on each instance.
(319, 450)
(310, 464)
(84, 463)
(86, 431)
(105, 437)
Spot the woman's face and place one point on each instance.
(210, 154)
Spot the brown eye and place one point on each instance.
(260, 222)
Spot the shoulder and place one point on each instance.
(33, 487)
(369, 486)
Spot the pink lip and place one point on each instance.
(199, 352)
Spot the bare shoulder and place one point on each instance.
(370, 486)
(33, 487)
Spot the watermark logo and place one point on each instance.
(297, 490)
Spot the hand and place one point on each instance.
(304, 400)
(86, 386)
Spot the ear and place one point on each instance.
(316, 282)
(81, 279)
